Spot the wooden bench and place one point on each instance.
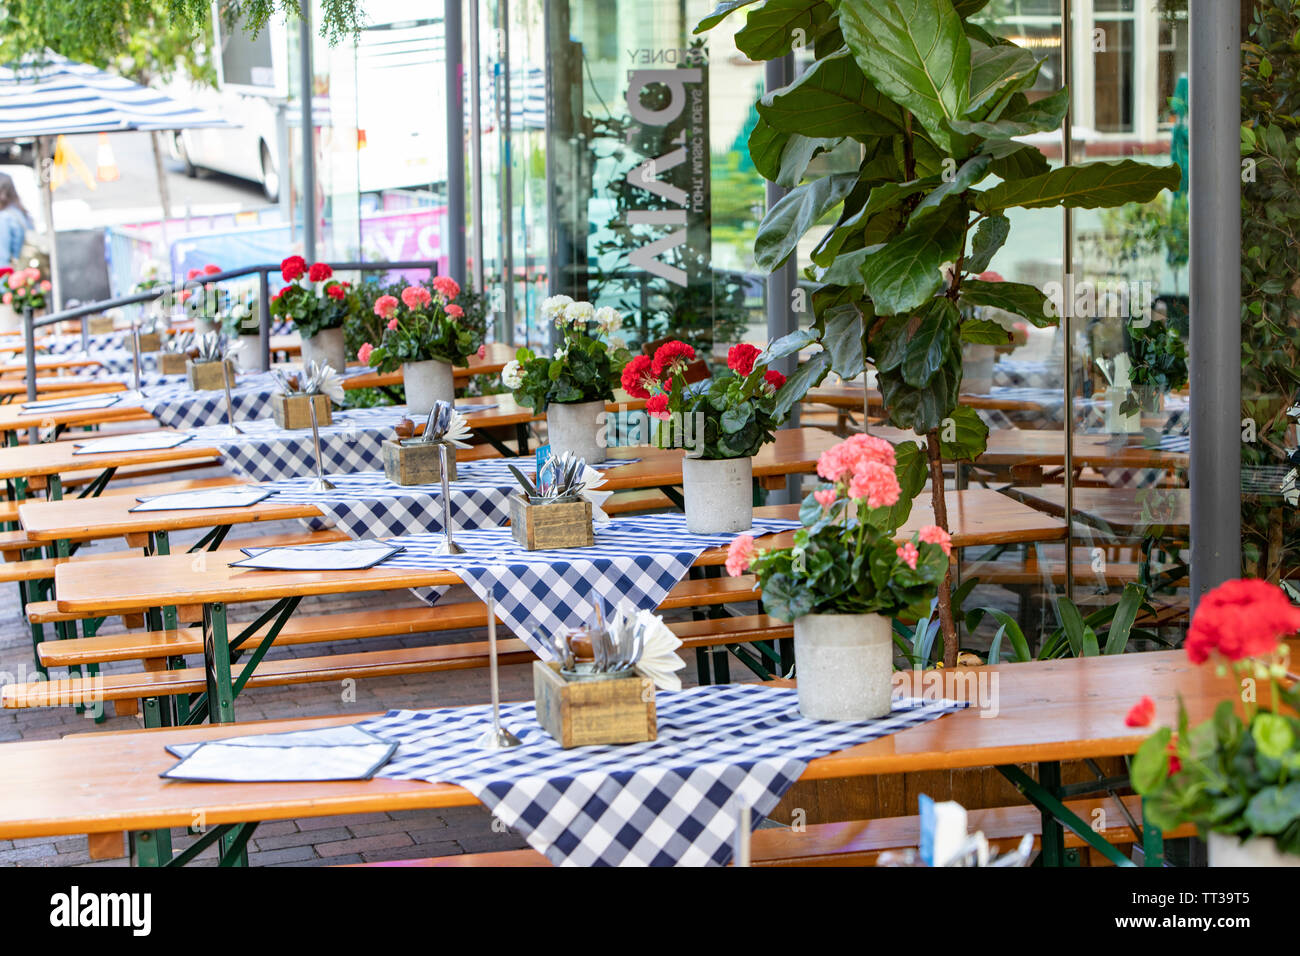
(861, 842)
(156, 647)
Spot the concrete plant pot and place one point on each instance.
(577, 427)
(426, 383)
(719, 494)
(845, 665)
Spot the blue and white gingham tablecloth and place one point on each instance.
(671, 801)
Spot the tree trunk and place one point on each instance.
(947, 626)
(164, 194)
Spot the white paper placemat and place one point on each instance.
(72, 404)
(213, 498)
(142, 441)
(328, 753)
(340, 556)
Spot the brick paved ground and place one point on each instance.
(323, 841)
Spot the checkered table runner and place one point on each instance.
(266, 452)
(101, 342)
(367, 505)
(175, 405)
(636, 559)
(671, 801)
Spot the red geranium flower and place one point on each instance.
(1242, 618)
(319, 272)
(292, 267)
(1175, 764)
(1142, 713)
(657, 406)
(774, 378)
(335, 291)
(637, 377)
(672, 357)
(211, 270)
(740, 358)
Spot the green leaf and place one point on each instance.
(1019, 646)
(1021, 117)
(967, 175)
(1150, 767)
(1018, 297)
(930, 342)
(990, 235)
(984, 332)
(904, 272)
(796, 213)
(882, 197)
(799, 151)
(846, 270)
(916, 53)
(1022, 162)
(1072, 624)
(808, 375)
(787, 344)
(843, 339)
(832, 99)
(1121, 625)
(1273, 735)
(1085, 186)
(767, 148)
(736, 417)
(966, 8)
(965, 437)
(992, 69)
(720, 13)
(1273, 809)
(770, 31)
(922, 409)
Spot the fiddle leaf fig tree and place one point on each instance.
(932, 103)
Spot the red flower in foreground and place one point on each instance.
(672, 357)
(740, 358)
(336, 291)
(292, 267)
(1141, 714)
(657, 406)
(319, 272)
(1175, 764)
(1245, 617)
(637, 376)
(774, 378)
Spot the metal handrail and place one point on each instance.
(263, 273)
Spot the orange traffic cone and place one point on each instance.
(105, 164)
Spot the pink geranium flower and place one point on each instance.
(363, 353)
(825, 497)
(392, 324)
(446, 286)
(876, 482)
(416, 297)
(739, 555)
(933, 534)
(455, 311)
(908, 554)
(482, 351)
(385, 305)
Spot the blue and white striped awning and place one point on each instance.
(58, 96)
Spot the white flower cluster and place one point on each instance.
(512, 376)
(562, 310)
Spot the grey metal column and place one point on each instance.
(305, 94)
(781, 317)
(455, 140)
(476, 143)
(507, 179)
(1214, 342)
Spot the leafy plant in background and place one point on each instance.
(1159, 363)
(420, 326)
(584, 368)
(933, 102)
(1270, 274)
(1107, 630)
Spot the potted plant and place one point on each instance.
(204, 307)
(243, 323)
(316, 303)
(846, 577)
(24, 289)
(573, 385)
(1237, 775)
(721, 421)
(425, 336)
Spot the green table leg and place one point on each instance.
(216, 664)
(1044, 794)
(1153, 841)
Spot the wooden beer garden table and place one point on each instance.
(851, 397)
(1033, 713)
(48, 364)
(1124, 511)
(167, 581)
